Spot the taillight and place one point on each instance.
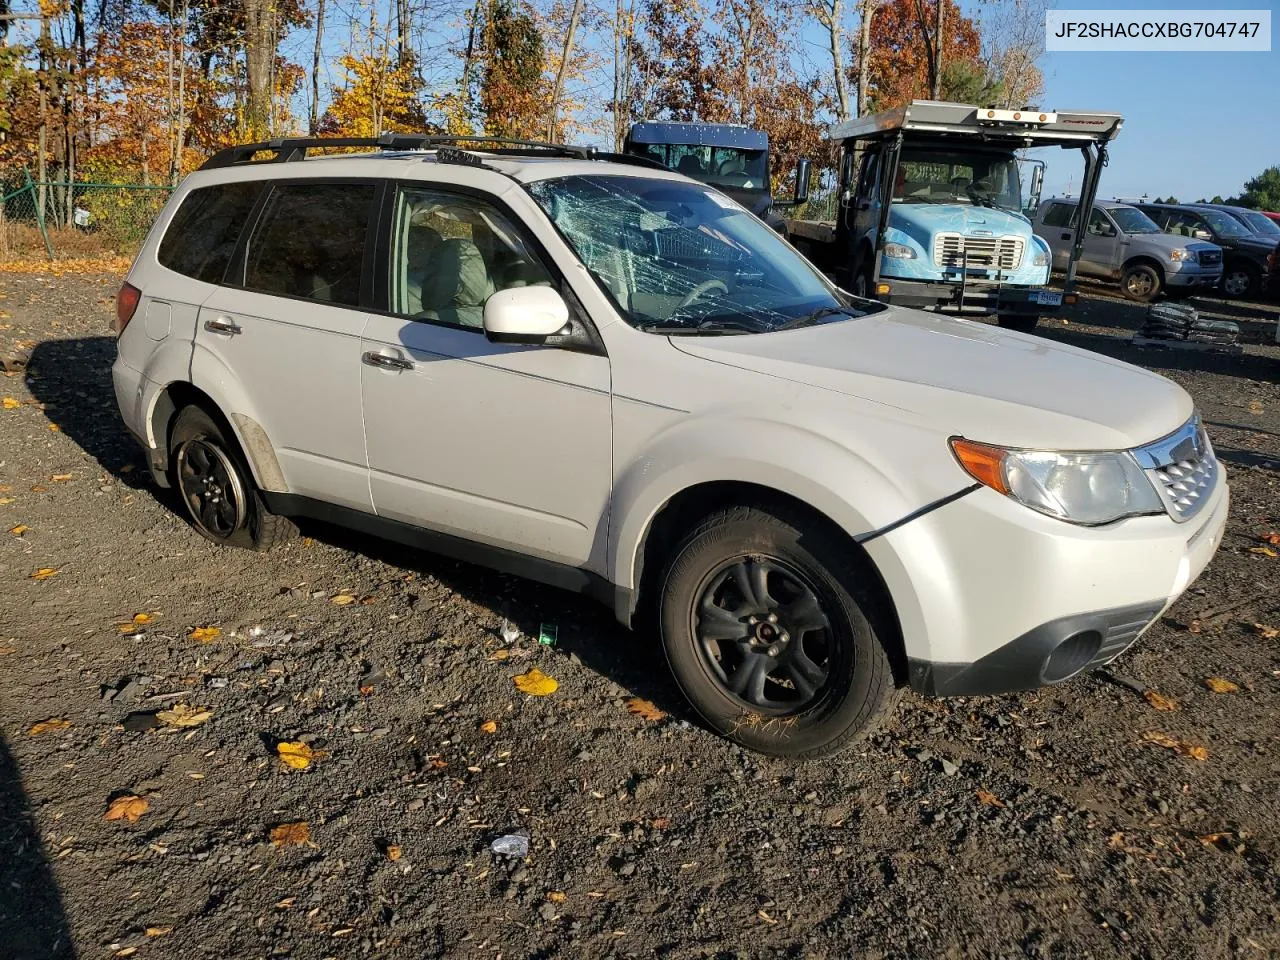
(126, 303)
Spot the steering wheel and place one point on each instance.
(701, 290)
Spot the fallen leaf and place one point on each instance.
(342, 600)
(44, 726)
(158, 931)
(296, 754)
(204, 634)
(37, 488)
(1272, 538)
(184, 715)
(500, 654)
(290, 834)
(128, 807)
(1218, 685)
(1193, 750)
(644, 709)
(489, 726)
(766, 918)
(366, 689)
(1213, 839)
(393, 852)
(19, 530)
(44, 573)
(1267, 632)
(1193, 626)
(1255, 407)
(555, 896)
(60, 477)
(1264, 551)
(989, 798)
(536, 683)
(125, 953)
(660, 823)
(55, 428)
(4, 500)
(1159, 700)
(139, 620)
(11, 404)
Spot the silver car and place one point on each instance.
(1122, 244)
(617, 380)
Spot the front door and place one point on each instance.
(507, 445)
(281, 340)
(1101, 254)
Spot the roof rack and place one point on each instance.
(288, 149)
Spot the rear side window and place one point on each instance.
(310, 241)
(1058, 215)
(203, 233)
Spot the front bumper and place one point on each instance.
(993, 597)
(1193, 276)
(978, 296)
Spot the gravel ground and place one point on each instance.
(1033, 825)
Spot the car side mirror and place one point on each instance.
(524, 315)
(1202, 235)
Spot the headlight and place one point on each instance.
(1183, 255)
(1084, 488)
(899, 251)
(1041, 259)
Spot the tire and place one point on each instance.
(1241, 280)
(228, 509)
(802, 696)
(863, 285)
(1021, 322)
(1140, 282)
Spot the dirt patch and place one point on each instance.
(1045, 824)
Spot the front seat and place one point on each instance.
(690, 166)
(457, 285)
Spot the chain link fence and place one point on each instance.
(59, 220)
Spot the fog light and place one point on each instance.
(1071, 656)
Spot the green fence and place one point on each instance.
(60, 220)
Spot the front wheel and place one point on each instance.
(217, 488)
(765, 623)
(1021, 322)
(1241, 280)
(1140, 282)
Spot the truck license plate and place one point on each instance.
(1048, 298)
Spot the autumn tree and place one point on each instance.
(512, 88)
(670, 77)
(1012, 43)
(377, 96)
(899, 60)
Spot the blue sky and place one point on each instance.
(1195, 124)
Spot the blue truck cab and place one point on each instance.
(931, 210)
(731, 157)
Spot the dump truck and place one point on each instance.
(931, 210)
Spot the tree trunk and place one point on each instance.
(259, 20)
(623, 24)
(469, 60)
(180, 141)
(864, 54)
(314, 123)
(403, 54)
(938, 36)
(835, 32)
(564, 66)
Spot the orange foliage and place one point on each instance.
(899, 67)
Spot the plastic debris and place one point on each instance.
(511, 845)
(547, 634)
(510, 632)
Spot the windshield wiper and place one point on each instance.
(714, 327)
(809, 319)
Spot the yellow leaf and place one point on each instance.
(1264, 551)
(536, 683)
(644, 709)
(290, 834)
(342, 600)
(11, 404)
(1218, 685)
(19, 530)
(393, 852)
(297, 754)
(183, 715)
(44, 573)
(60, 477)
(127, 807)
(158, 931)
(139, 620)
(44, 726)
(204, 634)
(55, 428)
(1267, 632)
(1195, 751)
(1255, 407)
(4, 500)
(125, 953)
(989, 798)
(489, 726)
(1272, 538)
(1159, 701)
(500, 654)
(555, 896)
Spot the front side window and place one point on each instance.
(450, 253)
(1225, 225)
(202, 236)
(310, 241)
(958, 176)
(722, 166)
(677, 256)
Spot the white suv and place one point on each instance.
(614, 379)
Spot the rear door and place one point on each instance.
(280, 342)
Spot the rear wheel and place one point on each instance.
(1021, 322)
(1140, 282)
(1241, 279)
(217, 488)
(768, 632)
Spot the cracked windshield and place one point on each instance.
(982, 179)
(679, 258)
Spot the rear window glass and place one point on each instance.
(203, 233)
(310, 241)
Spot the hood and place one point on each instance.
(964, 378)
(1262, 245)
(921, 221)
(1170, 241)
